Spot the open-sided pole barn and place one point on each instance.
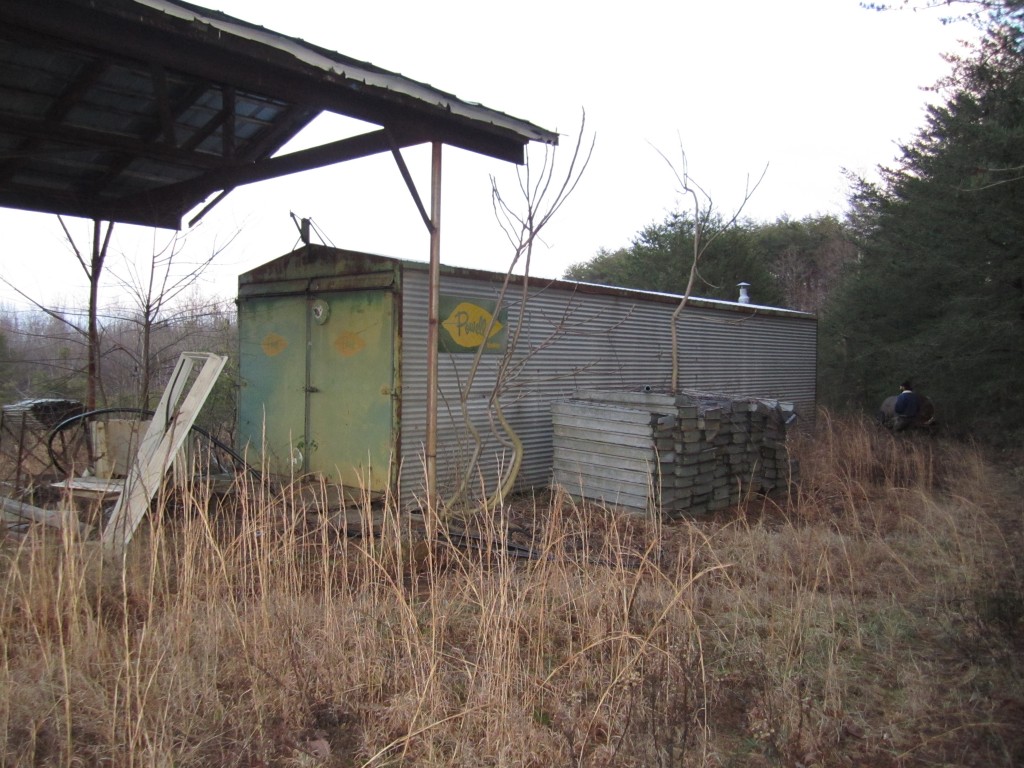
(143, 111)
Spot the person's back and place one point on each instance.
(907, 407)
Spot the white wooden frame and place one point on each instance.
(161, 443)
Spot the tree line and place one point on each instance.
(791, 263)
(45, 353)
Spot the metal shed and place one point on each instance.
(334, 366)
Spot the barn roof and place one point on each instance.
(138, 111)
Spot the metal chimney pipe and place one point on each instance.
(744, 296)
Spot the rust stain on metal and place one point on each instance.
(349, 344)
(273, 344)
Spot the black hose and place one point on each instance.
(72, 420)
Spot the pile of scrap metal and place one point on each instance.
(126, 460)
(47, 412)
(24, 427)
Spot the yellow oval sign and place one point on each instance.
(467, 325)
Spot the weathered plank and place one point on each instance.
(20, 512)
(635, 439)
(646, 452)
(604, 413)
(654, 401)
(616, 496)
(605, 474)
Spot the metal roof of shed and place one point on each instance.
(139, 110)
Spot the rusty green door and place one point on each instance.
(351, 383)
(272, 370)
(317, 377)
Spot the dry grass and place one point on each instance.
(872, 618)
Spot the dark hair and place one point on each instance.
(906, 385)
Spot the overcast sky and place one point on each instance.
(804, 88)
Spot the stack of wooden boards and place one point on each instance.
(685, 454)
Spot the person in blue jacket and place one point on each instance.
(907, 407)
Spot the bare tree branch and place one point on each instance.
(703, 210)
(541, 196)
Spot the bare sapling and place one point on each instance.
(542, 193)
(703, 210)
(155, 287)
(92, 267)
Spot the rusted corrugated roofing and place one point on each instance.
(140, 110)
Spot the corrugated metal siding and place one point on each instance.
(455, 444)
(574, 340)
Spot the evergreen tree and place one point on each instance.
(937, 295)
(789, 263)
(805, 257)
(660, 257)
